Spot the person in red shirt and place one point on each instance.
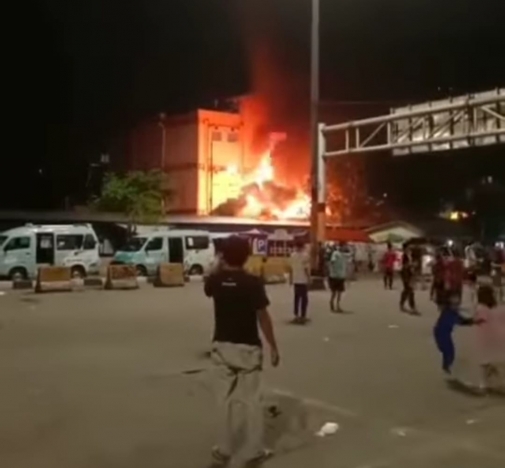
(388, 266)
(454, 275)
(438, 273)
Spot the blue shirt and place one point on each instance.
(337, 266)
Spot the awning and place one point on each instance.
(336, 234)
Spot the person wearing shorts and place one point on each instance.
(337, 274)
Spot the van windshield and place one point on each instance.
(134, 244)
(2, 239)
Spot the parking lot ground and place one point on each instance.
(120, 379)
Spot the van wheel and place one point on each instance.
(141, 270)
(196, 270)
(18, 274)
(78, 272)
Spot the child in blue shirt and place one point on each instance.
(448, 319)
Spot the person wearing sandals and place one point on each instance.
(240, 312)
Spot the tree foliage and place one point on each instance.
(138, 195)
(348, 197)
(484, 199)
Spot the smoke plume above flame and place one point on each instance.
(275, 185)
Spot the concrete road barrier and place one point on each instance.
(274, 270)
(254, 264)
(53, 278)
(121, 277)
(169, 275)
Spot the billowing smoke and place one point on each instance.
(274, 35)
(275, 113)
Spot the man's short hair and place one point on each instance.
(236, 251)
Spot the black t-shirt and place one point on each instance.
(237, 298)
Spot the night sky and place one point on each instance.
(81, 71)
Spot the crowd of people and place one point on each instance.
(241, 312)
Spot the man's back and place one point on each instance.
(338, 265)
(299, 267)
(238, 296)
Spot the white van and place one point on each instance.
(146, 251)
(24, 249)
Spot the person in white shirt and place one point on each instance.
(300, 278)
(337, 275)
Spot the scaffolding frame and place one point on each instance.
(382, 133)
(461, 127)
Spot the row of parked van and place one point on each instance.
(23, 250)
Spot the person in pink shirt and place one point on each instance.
(491, 338)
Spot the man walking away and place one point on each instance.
(299, 277)
(240, 304)
(388, 263)
(407, 274)
(337, 274)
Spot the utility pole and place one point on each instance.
(318, 207)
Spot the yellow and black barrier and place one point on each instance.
(254, 265)
(121, 277)
(274, 270)
(169, 275)
(53, 278)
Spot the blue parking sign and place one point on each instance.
(260, 246)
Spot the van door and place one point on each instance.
(175, 250)
(154, 254)
(68, 246)
(44, 249)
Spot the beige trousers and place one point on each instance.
(237, 370)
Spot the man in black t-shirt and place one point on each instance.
(240, 310)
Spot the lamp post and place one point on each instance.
(317, 222)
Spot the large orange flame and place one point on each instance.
(263, 196)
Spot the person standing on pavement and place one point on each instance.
(240, 310)
(299, 277)
(498, 261)
(407, 274)
(455, 275)
(388, 265)
(438, 274)
(448, 319)
(337, 274)
(471, 266)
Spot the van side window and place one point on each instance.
(155, 244)
(89, 242)
(197, 242)
(18, 243)
(69, 241)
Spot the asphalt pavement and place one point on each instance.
(120, 379)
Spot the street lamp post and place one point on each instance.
(317, 222)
